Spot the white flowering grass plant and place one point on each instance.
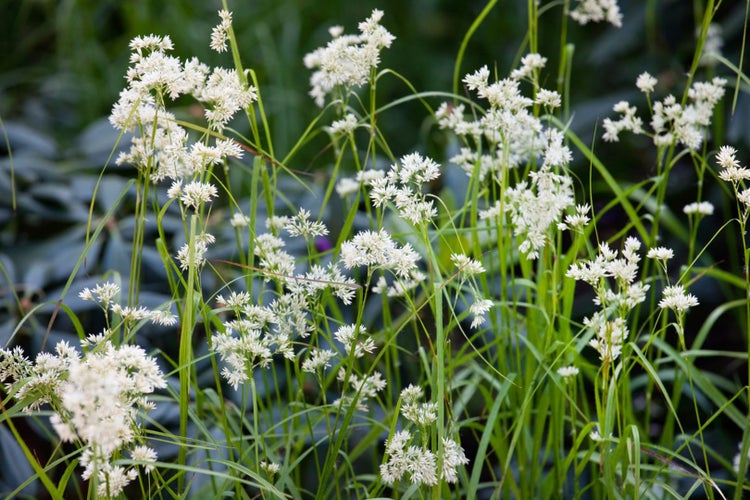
(461, 327)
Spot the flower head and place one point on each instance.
(675, 298)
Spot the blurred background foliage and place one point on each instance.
(62, 68)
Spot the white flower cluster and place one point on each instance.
(258, 332)
(736, 174)
(514, 134)
(536, 207)
(106, 293)
(515, 137)
(379, 250)
(219, 35)
(613, 277)
(419, 462)
(195, 255)
(467, 269)
(160, 145)
(674, 297)
(671, 121)
(95, 401)
(414, 410)
(347, 60)
(360, 389)
(402, 186)
(596, 11)
(355, 340)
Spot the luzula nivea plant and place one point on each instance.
(432, 331)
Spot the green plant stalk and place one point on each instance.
(440, 347)
(745, 447)
(465, 42)
(185, 360)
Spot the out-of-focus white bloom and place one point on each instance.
(596, 11)
(645, 82)
(271, 468)
(699, 208)
(712, 47)
(549, 98)
(360, 389)
(239, 220)
(530, 64)
(567, 372)
(346, 186)
(344, 126)
(596, 436)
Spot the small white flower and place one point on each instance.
(163, 318)
(567, 372)
(239, 220)
(301, 225)
(271, 468)
(196, 194)
(699, 208)
(548, 98)
(530, 63)
(344, 126)
(129, 313)
(453, 457)
(219, 35)
(660, 253)
(478, 310)
(596, 11)
(675, 298)
(645, 82)
(347, 186)
(318, 359)
(103, 293)
(466, 265)
(144, 454)
(347, 59)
